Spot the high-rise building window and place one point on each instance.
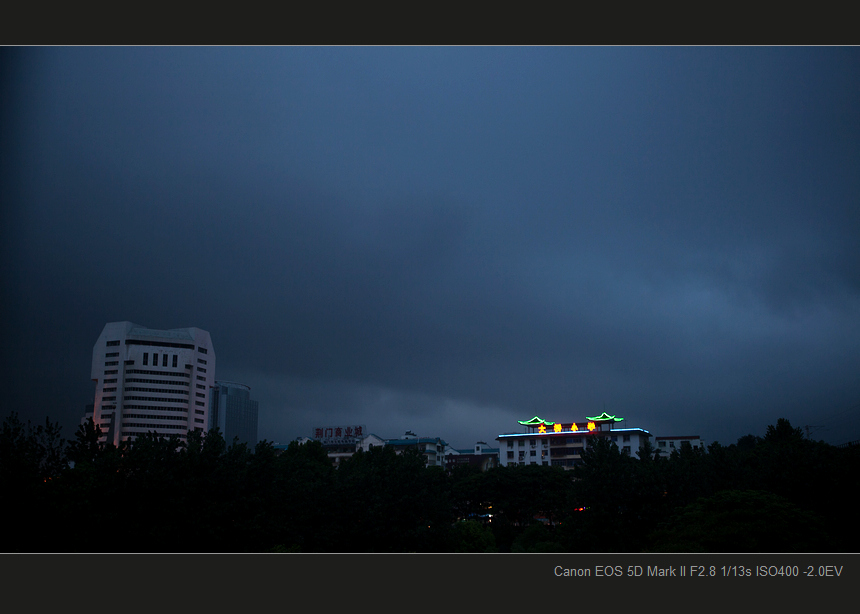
(164, 360)
(175, 359)
(154, 359)
(146, 358)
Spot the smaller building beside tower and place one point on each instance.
(233, 412)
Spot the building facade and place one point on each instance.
(668, 444)
(431, 448)
(482, 457)
(562, 444)
(151, 380)
(233, 412)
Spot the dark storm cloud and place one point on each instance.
(451, 238)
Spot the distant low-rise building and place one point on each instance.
(432, 448)
(666, 445)
(482, 456)
(340, 442)
(370, 441)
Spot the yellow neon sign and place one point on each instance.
(591, 426)
(542, 428)
(573, 427)
(557, 428)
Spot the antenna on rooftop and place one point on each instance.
(812, 426)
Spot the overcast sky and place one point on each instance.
(446, 240)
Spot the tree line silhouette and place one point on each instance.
(776, 493)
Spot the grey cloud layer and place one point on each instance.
(668, 231)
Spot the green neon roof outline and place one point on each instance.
(604, 416)
(535, 422)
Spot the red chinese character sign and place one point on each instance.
(339, 435)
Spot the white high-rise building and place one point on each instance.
(151, 380)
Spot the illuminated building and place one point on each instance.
(151, 380)
(233, 412)
(561, 444)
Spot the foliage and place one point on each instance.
(473, 536)
(391, 502)
(162, 494)
(537, 538)
(32, 458)
(742, 521)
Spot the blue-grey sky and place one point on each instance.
(445, 239)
